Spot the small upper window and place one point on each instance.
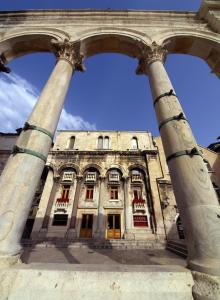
(89, 192)
(114, 193)
(106, 142)
(71, 142)
(134, 143)
(100, 142)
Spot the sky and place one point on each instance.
(109, 95)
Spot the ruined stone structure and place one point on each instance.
(148, 36)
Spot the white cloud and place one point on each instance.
(17, 98)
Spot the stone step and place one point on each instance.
(178, 248)
(102, 244)
(96, 282)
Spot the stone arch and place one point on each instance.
(118, 167)
(53, 168)
(197, 43)
(138, 166)
(89, 166)
(20, 43)
(69, 165)
(113, 40)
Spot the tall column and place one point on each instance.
(195, 196)
(23, 170)
(128, 210)
(45, 197)
(72, 228)
(100, 232)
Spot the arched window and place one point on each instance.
(209, 168)
(134, 143)
(71, 142)
(106, 142)
(100, 142)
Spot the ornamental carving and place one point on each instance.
(69, 51)
(149, 55)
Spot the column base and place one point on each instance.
(206, 287)
(7, 261)
(206, 266)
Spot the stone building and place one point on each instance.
(106, 185)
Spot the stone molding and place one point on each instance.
(69, 51)
(103, 152)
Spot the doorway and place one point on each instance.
(114, 226)
(86, 226)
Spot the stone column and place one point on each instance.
(128, 210)
(72, 228)
(100, 232)
(48, 187)
(195, 196)
(24, 167)
(51, 199)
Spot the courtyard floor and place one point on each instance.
(100, 256)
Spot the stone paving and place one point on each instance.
(100, 256)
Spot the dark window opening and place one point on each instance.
(60, 220)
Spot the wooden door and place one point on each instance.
(114, 227)
(86, 226)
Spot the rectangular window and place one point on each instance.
(89, 192)
(65, 191)
(113, 192)
(137, 193)
(60, 220)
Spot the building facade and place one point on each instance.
(108, 185)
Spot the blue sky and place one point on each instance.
(109, 96)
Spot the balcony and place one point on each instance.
(90, 177)
(136, 178)
(68, 177)
(113, 177)
(62, 202)
(139, 205)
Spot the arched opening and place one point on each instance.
(134, 143)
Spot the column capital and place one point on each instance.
(69, 51)
(149, 55)
(3, 61)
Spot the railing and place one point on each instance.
(113, 177)
(139, 204)
(91, 177)
(68, 176)
(62, 202)
(136, 178)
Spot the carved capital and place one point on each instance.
(69, 51)
(3, 68)
(154, 53)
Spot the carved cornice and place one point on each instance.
(68, 153)
(149, 55)
(69, 51)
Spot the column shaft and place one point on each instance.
(196, 198)
(75, 203)
(128, 206)
(21, 174)
(43, 204)
(101, 212)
